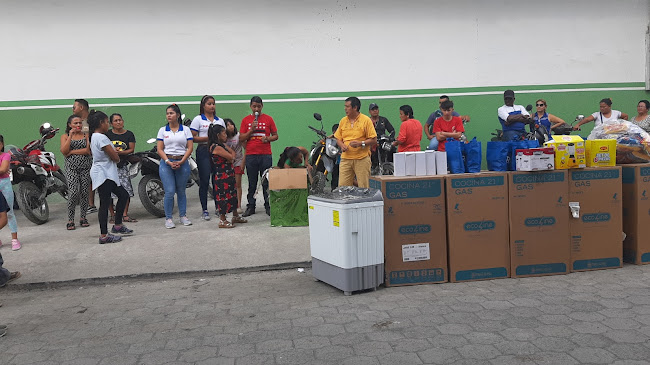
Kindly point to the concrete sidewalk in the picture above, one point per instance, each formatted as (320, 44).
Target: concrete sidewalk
(51, 254)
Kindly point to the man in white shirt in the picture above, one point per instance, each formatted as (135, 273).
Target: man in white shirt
(513, 118)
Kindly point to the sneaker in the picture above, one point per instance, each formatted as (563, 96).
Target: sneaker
(92, 209)
(15, 245)
(185, 221)
(122, 230)
(248, 212)
(206, 215)
(169, 224)
(268, 211)
(109, 239)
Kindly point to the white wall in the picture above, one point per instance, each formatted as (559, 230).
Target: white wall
(120, 48)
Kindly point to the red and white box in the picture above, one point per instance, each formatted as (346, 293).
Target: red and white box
(535, 159)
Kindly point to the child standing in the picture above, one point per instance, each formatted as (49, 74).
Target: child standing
(238, 164)
(224, 189)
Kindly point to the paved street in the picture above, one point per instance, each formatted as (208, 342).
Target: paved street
(285, 317)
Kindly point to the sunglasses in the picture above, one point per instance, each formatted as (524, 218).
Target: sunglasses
(541, 105)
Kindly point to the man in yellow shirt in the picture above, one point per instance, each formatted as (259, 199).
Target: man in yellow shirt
(355, 136)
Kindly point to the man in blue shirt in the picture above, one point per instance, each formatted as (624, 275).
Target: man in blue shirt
(513, 118)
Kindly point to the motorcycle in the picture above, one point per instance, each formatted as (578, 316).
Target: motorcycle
(383, 162)
(150, 187)
(37, 175)
(322, 157)
(567, 129)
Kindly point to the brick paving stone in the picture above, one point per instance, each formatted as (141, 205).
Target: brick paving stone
(592, 355)
(402, 358)
(373, 348)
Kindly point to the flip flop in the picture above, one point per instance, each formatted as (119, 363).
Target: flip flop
(126, 218)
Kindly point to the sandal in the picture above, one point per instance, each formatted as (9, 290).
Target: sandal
(128, 219)
(12, 276)
(84, 222)
(239, 219)
(225, 224)
(70, 226)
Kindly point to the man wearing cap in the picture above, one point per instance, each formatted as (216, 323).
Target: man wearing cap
(381, 126)
(355, 136)
(513, 118)
(428, 126)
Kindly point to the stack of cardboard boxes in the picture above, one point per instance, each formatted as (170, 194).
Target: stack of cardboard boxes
(636, 213)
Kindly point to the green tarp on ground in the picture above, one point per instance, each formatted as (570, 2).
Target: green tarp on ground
(289, 207)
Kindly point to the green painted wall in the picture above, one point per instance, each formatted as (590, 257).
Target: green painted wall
(292, 116)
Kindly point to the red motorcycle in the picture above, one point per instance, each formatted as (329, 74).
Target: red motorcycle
(37, 175)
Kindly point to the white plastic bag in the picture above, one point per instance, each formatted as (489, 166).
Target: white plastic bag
(632, 142)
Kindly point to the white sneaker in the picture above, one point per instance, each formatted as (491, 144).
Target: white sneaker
(206, 215)
(185, 221)
(169, 224)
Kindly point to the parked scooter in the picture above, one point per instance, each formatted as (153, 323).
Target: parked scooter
(150, 188)
(383, 162)
(37, 175)
(322, 157)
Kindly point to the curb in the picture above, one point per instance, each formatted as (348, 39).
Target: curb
(154, 276)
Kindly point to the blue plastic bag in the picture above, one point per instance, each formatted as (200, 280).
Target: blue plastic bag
(496, 155)
(472, 152)
(512, 151)
(455, 161)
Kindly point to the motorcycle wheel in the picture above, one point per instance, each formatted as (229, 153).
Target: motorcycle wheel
(152, 195)
(318, 183)
(388, 168)
(34, 209)
(63, 190)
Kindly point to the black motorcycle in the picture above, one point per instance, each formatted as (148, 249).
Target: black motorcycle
(382, 161)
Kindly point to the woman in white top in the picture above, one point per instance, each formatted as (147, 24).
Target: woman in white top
(199, 127)
(175, 144)
(105, 180)
(642, 119)
(606, 114)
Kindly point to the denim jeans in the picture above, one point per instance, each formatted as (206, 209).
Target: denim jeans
(433, 144)
(512, 135)
(174, 183)
(255, 167)
(204, 163)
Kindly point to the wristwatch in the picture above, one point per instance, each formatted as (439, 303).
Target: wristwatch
(363, 144)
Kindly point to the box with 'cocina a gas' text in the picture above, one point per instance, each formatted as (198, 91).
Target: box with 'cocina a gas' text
(415, 230)
(539, 228)
(597, 232)
(636, 213)
(477, 226)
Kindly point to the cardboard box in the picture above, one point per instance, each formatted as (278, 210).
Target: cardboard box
(597, 234)
(420, 163)
(409, 158)
(399, 164)
(600, 152)
(282, 179)
(636, 213)
(569, 151)
(477, 226)
(415, 230)
(539, 228)
(535, 159)
(441, 163)
(431, 162)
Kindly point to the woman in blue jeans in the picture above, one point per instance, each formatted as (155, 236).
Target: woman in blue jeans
(175, 144)
(199, 127)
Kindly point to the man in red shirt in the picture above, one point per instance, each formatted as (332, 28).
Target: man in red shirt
(257, 130)
(447, 126)
(410, 132)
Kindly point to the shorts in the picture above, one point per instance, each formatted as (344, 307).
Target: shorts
(125, 180)
(239, 170)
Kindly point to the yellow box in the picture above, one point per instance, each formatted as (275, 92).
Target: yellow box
(569, 152)
(601, 152)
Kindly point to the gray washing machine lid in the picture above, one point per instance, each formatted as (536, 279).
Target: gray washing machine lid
(349, 195)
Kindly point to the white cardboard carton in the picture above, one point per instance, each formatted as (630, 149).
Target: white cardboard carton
(431, 162)
(410, 163)
(420, 163)
(399, 163)
(441, 163)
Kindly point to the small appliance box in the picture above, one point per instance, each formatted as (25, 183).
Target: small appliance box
(420, 163)
(569, 151)
(399, 164)
(600, 152)
(539, 228)
(597, 232)
(415, 229)
(477, 226)
(535, 159)
(636, 213)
